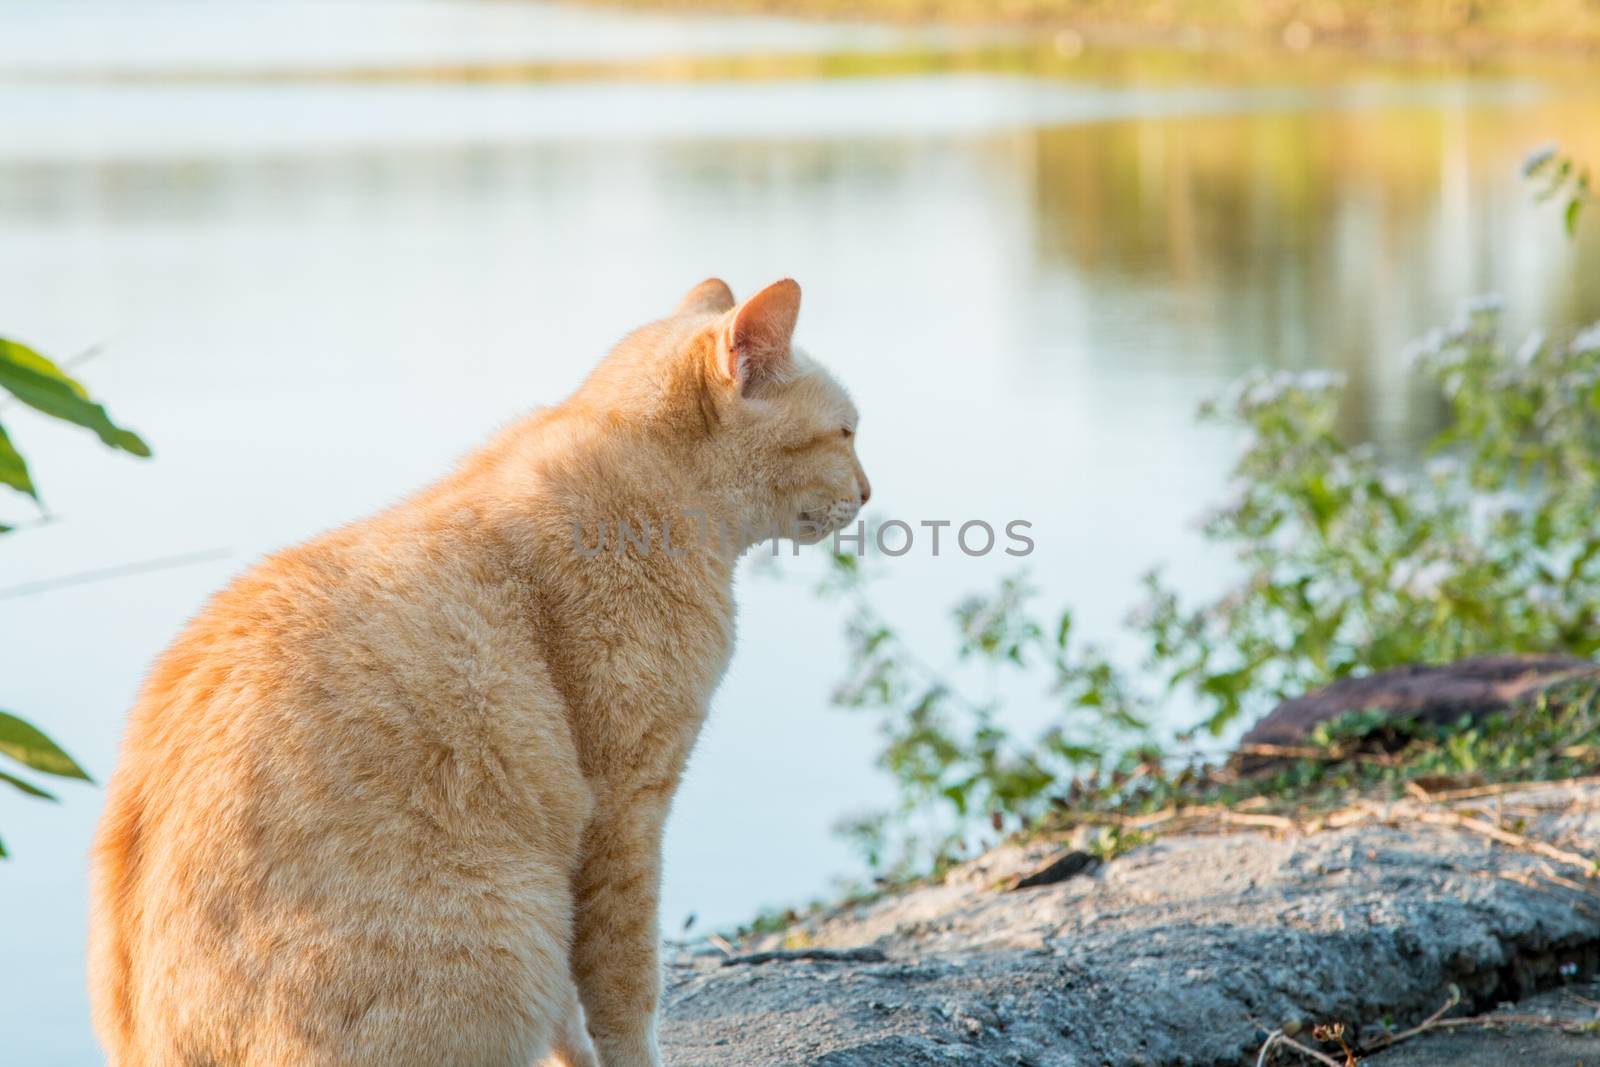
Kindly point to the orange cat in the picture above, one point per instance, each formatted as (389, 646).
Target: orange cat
(396, 796)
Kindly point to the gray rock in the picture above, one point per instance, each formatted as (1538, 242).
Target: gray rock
(1184, 952)
(1513, 1042)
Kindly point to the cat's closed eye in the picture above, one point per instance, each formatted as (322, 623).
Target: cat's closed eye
(845, 431)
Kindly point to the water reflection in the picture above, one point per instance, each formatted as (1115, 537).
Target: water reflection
(1306, 240)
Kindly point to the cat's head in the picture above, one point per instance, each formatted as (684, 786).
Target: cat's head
(777, 429)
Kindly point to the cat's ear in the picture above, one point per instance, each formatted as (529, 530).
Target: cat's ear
(754, 345)
(711, 295)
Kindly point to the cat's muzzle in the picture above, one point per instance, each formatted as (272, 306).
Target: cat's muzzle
(819, 523)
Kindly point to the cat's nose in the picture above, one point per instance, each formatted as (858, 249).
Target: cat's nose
(866, 489)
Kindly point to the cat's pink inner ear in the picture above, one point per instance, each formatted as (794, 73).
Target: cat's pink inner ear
(756, 342)
(711, 295)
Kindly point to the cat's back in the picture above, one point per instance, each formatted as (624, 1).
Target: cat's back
(372, 628)
(353, 731)
(401, 630)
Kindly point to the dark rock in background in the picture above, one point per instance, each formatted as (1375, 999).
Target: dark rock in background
(1440, 695)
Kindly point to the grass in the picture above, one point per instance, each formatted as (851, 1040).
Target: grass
(1552, 735)
(1361, 767)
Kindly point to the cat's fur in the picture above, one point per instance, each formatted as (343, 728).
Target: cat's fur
(396, 796)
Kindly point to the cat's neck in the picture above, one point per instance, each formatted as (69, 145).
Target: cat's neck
(606, 503)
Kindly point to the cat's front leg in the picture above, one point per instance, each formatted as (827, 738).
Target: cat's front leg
(614, 955)
(572, 1046)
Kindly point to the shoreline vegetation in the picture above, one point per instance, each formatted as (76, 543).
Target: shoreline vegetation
(1359, 767)
(1409, 28)
(1173, 42)
(1344, 564)
(1061, 53)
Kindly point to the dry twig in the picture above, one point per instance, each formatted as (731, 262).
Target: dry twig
(1506, 837)
(1498, 788)
(1272, 822)
(1420, 1028)
(1278, 1037)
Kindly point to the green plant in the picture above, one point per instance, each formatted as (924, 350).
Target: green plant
(1563, 177)
(1345, 564)
(44, 386)
(1112, 841)
(1550, 735)
(1352, 564)
(24, 744)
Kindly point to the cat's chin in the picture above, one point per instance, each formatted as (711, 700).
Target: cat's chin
(813, 528)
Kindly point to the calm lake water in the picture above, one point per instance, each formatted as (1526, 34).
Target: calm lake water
(322, 250)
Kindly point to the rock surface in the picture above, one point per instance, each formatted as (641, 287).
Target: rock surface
(1183, 952)
(1535, 1046)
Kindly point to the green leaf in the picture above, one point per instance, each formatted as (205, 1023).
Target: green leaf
(1574, 208)
(3, 852)
(42, 385)
(24, 743)
(26, 786)
(14, 469)
(1078, 753)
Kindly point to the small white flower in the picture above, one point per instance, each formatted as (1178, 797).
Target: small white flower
(1473, 314)
(1587, 340)
(1542, 595)
(1442, 468)
(1424, 347)
(1420, 581)
(1531, 347)
(1487, 507)
(1317, 381)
